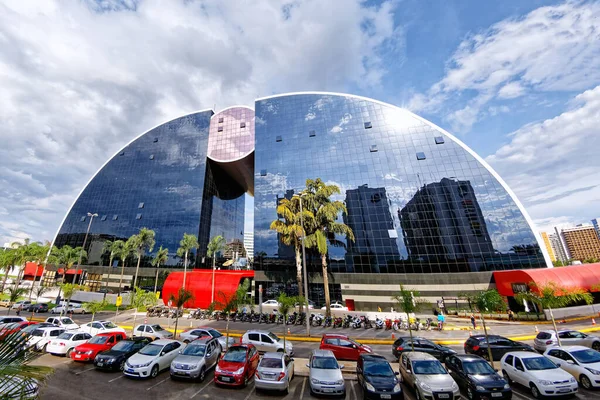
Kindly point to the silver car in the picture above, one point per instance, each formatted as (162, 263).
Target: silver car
(545, 339)
(195, 333)
(275, 372)
(153, 331)
(197, 358)
(427, 376)
(325, 375)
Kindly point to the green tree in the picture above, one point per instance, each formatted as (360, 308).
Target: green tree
(408, 301)
(286, 304)
(488, 301)
(325, 213)
(140, 298)
(188, 243)
(68, 290)
(6, 264)
(232, 303)
(179, 300)
(93, 307)
(14, 294)
(42, 253)
(122, 251)
(551, 295)
(161, 257)
(141, 242)
(215, 246)
(112, 249)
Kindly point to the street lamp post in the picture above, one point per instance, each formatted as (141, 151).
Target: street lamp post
(305, 267)
(86, 236)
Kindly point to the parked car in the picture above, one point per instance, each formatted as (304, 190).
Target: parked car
(275, 372)
(153, 358)
(403, 344)
(96, 327)
(426, 375)
(325, 375)
(500, 345)
(343, 347)
(273, 303)
(72, 309)
(23, 305)
(101, 342)
(545, 339)
(311, 304)
(267, 341)
(38, 308)
(64, 344)
(476, 376)
(336, 306)
(538, 373)
(40, 337)
(195, 333)
(11, 319)
(237, 366)
(198, 357)
(9, 329)
(63, 322)
(377, 378)
(153, 331)
(4, 303)
(114, 359)
(580, 361)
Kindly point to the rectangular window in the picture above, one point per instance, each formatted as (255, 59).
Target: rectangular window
(368, 125)
(138, 216)
(439, 140)
(122, 153)
(155, 140)
(152, 156)
(263, 172)
(312, 134)
(421, 156)
(103, 218)
(278, 139)
(242, 124)
(82, 219)
(220, 129)
(115, 217)
(373, 148)
(221, 120)
(141, 205)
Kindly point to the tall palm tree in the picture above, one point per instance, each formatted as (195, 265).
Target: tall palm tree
(22, 254)
(141, 242)
(112, 250)
(179, 300)
(189, 242)
(216, 245)
(39, 253)
(68, 256)
(290, 231)
(14, 293)
(325, 211)
(6, 264)
(122, 251)
(161, 257)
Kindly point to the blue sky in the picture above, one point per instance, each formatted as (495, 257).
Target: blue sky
(518, 81)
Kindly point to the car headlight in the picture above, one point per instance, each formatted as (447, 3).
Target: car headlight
(593, 371)
(315, 381)
(341, 382)
(89, 352)
(370, 387)
(573, 380)
(454, 386)
(397, 388)
(239, 371)
(477, 388)
(507, 386)
(425, 386)
(544, 382)
(218, 369)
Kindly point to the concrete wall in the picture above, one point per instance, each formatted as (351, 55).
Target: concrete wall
(559, 313)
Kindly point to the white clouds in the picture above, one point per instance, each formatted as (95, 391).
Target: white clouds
(77, 84)
(554, 48)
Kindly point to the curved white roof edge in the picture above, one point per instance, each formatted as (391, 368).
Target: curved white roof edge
(457, 141)
(229, 108)
(109, 160)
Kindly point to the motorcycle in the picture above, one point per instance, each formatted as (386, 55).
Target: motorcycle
(338, 322)
(379, 323)
(327, 322)
(317, 320)
(367, 323)
(388, 324)
(347, 321)
(356, 322)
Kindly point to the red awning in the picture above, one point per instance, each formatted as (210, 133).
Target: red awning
(33, 269)
(574, 276)
(71, 271)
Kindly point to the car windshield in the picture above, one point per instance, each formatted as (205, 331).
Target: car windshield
(151, 350)
(65, 336)
(270, 363)
(428, 367)
(124, 345)
(538, 364)
(274, 337)
(586, 356)
(98, 340)
(378, 369)
(235, 354)
(194, 350)
(109, 325)
(215, 334)
(30, 328)
(478, 368)
(67, 321)
(324, 363)
(157, 328)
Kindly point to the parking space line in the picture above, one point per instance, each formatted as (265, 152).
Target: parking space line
(85, 370)
(250, 394)
(112, 380)
(303, 385)
(156, 384)
(352, 390)
(203, 387)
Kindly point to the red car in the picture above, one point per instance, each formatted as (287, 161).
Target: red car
(343, 347)
(14, 327)
(237, 366)
(100, 342)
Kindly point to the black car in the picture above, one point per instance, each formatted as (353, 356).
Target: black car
(403, 344)
(114, 359)
(475, 375)
(377, 378)
(38, 308)
(500, 345)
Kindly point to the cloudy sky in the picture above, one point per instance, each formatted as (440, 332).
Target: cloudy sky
(518, 81)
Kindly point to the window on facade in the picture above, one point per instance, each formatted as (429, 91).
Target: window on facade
(138, 216)
(82, 219)
(122, 153)
(439, 140)
(368, 125)
(152, 157)
(312, 133)
(155, 140)
(115, 217)
(278, 139)
(220, 120)
(141, 205)
(263, 172)
(373, 148)
(421, 156)
(220, 129)
(242, 124)
(103, 218)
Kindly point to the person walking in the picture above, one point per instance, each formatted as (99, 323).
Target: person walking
(473, 322)
(511, 315)
(441, 320)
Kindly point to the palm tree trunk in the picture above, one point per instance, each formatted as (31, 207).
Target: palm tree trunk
(326, 285)
(491, 357)
(299, 276)
(122, 272)
(212, 296)
(227, 333)
(412, 344)
(176, 323)
(185, 269)
(284, 330)
(137, 268)
(554, 323)
(156, 279)
(5, 278)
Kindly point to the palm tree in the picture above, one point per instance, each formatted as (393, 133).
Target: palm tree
(409, 302)
(161, 257)
(230, 304)
(122, 251)
(290, 231)
(141, 242)
(286, 304)
(22, 254)
(179, 300)
(39, 253)
(68, 256)
(14, 293)
(189, 242)
(140, 298)
(325, 212)
(94, 307)
(216, 245)
(6, 264)
(112, 250)
(69, 290)
(488, 300)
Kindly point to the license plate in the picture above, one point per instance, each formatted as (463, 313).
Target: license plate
(100, 364)
(496, 394)
(564, 390)
(386, 396)
(129, 370)
(326, 390)
(226, 379)
(444, 396)
(77, 355)
(180, 373)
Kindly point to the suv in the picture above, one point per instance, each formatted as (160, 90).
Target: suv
(403, 344)
(266, 341)
(38, 308)
(377, 378)
(343, 347)
(427, 377)
(500, 346)
(545, 339)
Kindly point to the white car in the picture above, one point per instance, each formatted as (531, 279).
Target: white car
(23, 305)
(153, 331)
(195, 333)
(63, 322)
(273, 303)
(40, 337)
(153, 358)
(64, 344)
(580, 361)
(538, 373)
(336, 306)
(97, 327)
(72, 309)
(267, 341)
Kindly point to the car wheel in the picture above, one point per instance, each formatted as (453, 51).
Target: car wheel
(122, 365)
(535, 392)
(154, 371)
(596, 346)
(68, 354)
(202, 374)
(506, 377)
(186, 341)
(585, 382)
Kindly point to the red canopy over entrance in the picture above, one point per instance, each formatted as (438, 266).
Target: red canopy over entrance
(574, 276)
(31, 270)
